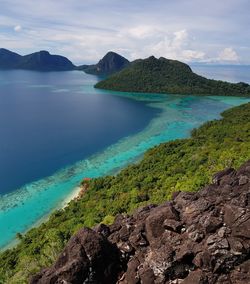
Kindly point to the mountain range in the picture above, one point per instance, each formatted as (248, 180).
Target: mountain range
(40, 61)
(150, 75)
(44, 61)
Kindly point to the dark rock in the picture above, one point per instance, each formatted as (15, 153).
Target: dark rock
(198, 238)
(87, 257)
(102, 229)
(218, 176)
(243, 180)
(194, 277)
(241, 273)
(154, 222)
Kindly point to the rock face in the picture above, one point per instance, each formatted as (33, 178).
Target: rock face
(109, 64)
(197, 238)
(40, 61)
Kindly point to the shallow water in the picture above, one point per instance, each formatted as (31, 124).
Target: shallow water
(173, 117)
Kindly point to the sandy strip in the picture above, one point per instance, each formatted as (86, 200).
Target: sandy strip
(74, 194)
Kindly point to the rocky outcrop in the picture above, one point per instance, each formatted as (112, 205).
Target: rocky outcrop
(201, 237)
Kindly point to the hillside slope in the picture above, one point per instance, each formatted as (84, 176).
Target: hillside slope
(196, 238)
(185, 165)
(163, 75)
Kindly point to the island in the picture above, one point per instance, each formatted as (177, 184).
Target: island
(37, 61)
(163, 75)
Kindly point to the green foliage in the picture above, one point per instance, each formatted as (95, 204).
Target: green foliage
(186, 164)
(108, 220)
(168, 76)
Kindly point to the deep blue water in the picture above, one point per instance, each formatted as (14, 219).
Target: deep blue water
(56, 129)
(51, 120)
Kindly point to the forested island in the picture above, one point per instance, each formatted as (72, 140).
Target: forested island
(163, 75)
(186, 165)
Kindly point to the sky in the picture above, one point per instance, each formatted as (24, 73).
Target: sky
(85, 30)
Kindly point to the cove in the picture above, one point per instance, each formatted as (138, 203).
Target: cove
(171, 117)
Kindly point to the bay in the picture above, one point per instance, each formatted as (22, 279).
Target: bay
(56, 129)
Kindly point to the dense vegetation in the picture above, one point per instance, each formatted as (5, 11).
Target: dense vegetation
(162, 75)
(186, 164)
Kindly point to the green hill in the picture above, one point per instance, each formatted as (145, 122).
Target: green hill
(162, 75)
(186, 165)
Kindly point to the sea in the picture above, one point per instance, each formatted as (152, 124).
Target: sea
(56, 129)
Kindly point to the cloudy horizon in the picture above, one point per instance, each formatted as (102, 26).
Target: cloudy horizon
(83, 31)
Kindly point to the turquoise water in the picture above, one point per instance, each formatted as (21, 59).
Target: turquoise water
(175, 117)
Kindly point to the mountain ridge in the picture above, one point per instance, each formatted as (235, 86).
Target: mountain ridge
(38, 61)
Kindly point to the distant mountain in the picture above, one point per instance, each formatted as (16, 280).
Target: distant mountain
(9, 59)
(109, 64)
(163, 75)
(41, 61)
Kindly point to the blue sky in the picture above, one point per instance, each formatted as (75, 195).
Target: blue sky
(84, 30)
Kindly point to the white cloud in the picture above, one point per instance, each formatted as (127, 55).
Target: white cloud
(17, 28)
(85, 30)
(141, 32)
(228, 54)
(177, 46)
(193, 55)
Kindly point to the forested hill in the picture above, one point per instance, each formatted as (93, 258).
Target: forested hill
(163, 75)
(186, 165)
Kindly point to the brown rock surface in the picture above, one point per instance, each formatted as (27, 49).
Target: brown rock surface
(197, 238)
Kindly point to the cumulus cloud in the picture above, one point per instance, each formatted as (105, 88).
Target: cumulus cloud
(228, 54)
(85, 30)
(176, 46)
(141, 32)
(17, 28)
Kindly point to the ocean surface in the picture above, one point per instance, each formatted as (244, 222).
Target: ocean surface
(56, 129)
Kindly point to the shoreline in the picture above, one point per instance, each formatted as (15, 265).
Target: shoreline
(72, 196)
(120, 153)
